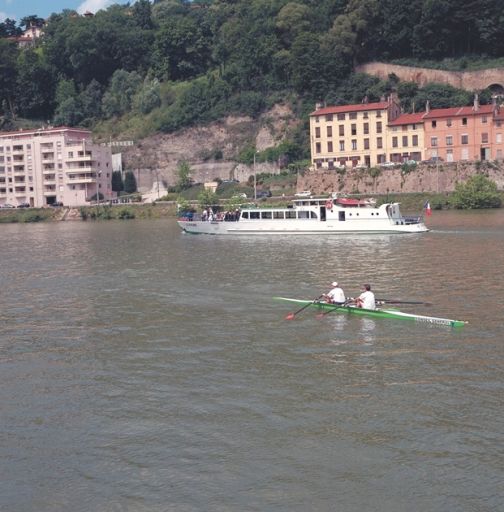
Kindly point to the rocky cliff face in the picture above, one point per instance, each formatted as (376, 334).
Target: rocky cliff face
(424, 178)
(157, 157)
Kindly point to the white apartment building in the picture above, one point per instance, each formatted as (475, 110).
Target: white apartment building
(45, 166)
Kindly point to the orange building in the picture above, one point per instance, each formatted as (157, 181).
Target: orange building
(464, 133)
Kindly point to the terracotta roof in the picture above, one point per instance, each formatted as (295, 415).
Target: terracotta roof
(408, 119)
(459, 111)
(359, 107)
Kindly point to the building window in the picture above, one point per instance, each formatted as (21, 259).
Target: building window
(449, 140)
(484, 119)
(448, 122)
(354, 144)
(354, 129)
(405, 141)
(434, 124)
(378, 113)
(329, 147)
(499, 154)
(449, 155)
(341, 130)
(341, 117)
(378, 127)
(317, 132)
(414, 140)
(484, 138)
(317, 119)
(498, 138)
(329, 131)
(342, 145)
(366, 128)
(365, 115)
(328, 117)
(464, 121)
(498, 123)
(379, 143)
(394, 142)
(366, 143)
(465, 154)
(464, 139)
(317, 147)
(352, 115)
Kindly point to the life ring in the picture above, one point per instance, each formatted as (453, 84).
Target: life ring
(329, 204)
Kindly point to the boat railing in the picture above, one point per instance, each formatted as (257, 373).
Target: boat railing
(197, 217)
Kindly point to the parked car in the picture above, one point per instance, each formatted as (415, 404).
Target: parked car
(263, 193)
(56, 204)
(433, 160)
(23, 205)
(388, 164)
(242, 195)
(7, 205)
(304, 193)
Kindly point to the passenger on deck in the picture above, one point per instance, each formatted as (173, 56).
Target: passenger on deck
(336, 295)
(366, 299)
(204, 214)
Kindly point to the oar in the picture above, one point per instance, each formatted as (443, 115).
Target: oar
(394, 301)
(336, 304)
(291, 316)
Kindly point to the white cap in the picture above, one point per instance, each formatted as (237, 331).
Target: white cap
(334, 283)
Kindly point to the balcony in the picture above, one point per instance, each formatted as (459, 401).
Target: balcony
(81, 178)
(18, 169)
(80, 169)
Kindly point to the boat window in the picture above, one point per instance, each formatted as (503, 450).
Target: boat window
(266, 215)
(278, 215)
(255, 215)
(313, 215)
(244, 215)
(290, 215)
(303, 215)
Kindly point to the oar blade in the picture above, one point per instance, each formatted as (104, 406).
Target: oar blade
(290, 316)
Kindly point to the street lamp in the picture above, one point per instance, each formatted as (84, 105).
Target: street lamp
(255, 177)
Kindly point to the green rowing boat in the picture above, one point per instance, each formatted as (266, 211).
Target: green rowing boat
(377, 313)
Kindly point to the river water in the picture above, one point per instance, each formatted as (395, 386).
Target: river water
(142, 369)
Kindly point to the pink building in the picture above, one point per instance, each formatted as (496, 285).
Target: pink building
(45, 166)
(464, 133)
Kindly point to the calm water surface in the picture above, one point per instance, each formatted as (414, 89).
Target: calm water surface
(142, 369)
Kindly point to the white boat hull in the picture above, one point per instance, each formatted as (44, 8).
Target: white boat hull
(247, 227)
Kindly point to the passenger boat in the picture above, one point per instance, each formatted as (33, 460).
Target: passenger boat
(309, 216)
(377, 313)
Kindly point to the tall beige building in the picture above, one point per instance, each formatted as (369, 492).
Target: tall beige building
(351, 135)
(45, 166)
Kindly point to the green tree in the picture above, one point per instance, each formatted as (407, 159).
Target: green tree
(207, 198)
(35, 85)
(117, 182)
(148, 97)
(477, 192)
(118, 98)
(130, 184)
(184, 175)
(8, 75)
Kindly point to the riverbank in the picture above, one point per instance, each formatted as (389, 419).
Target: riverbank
(410, 203)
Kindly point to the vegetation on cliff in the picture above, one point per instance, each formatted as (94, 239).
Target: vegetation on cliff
(174, 63)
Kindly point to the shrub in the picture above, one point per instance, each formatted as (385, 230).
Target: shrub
(125, 213)
(477, 192)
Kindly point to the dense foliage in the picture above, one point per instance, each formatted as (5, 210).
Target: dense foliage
(477, 192)
(183, 62)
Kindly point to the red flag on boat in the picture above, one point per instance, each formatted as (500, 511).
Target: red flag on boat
(427, 209)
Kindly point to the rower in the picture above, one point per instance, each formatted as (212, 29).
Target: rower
(366, 299)
(336, 295)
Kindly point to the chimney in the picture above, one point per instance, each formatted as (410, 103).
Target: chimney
(427, 106)
(413, 107)
(365, 100)
(476, 104)
(319, 105)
